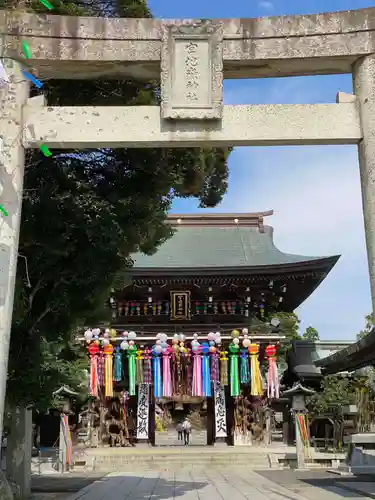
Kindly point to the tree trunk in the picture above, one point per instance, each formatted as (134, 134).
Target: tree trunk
(19, 448)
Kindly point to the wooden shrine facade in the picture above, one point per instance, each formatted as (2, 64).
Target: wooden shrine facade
(218, 271)
(193, 324)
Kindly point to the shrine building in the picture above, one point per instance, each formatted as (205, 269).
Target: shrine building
(194, 333)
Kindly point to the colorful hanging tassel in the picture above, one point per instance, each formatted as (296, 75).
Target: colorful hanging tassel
(234, 380)
(117, 367)
(156, 368)
(273, 383)
(101, 369)
(244, 369)
(167, 378)
(139, 368)
(206, 375)
(197, 374)
(303, 430)
(223, 368)
(131, 367)
(147, 369)
(256, 377)
(108, 370)
(215, 371)
(93, 352)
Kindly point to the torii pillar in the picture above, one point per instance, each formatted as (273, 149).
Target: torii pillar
(364, 87)
(12, 155)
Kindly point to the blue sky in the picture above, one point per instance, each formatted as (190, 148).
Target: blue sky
(314, 191)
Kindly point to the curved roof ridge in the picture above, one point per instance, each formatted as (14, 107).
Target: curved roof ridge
(269, 230)
(219, 219)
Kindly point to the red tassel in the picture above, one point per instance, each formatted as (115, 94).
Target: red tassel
(93, 352)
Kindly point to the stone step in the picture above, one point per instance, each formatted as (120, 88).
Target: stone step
(181, 460)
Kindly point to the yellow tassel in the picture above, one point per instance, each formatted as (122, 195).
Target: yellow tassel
(256, 377)
(108, 370)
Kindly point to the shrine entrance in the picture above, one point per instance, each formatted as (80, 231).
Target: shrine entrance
(190, 58)
(170, 415)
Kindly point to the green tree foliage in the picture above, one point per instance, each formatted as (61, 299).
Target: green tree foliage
(336, 391)
(369, 325)
(84, 213)
(311, 334)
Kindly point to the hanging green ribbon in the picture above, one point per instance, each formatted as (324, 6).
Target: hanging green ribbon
(234, 378)
(131, 362)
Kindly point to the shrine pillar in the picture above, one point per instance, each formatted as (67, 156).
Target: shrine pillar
(13, 96)
(364, 87)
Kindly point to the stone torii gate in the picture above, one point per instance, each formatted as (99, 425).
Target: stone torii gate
(191, 58)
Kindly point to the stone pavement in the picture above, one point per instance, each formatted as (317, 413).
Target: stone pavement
(229, 484)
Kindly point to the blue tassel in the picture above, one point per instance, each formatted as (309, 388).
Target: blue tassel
(156, 368)
(245, 371)
(117, 369)
(207, 392)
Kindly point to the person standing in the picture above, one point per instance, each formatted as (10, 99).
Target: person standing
(179, 430)
(186, 427)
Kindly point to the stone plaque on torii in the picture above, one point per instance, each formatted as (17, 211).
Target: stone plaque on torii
(190, 57)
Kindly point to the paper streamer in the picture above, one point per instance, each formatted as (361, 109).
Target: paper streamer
(244, 368)
(167, 379)
(256, 377)
(131, 367)
(108, 370)
(234, 379)
(207, 391)
(197, 376)
(117, 368)
(158, 389)
(67, 438)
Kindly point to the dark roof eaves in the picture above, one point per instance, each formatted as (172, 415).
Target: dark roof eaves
(333, 363)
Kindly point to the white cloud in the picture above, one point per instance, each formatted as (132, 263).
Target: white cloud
(266, 5)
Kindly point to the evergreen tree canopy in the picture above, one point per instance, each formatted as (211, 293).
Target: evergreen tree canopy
(85, 212)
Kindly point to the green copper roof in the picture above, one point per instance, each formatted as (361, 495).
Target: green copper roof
(218, 247)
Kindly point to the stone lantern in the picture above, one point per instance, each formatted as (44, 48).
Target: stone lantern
(297, 395)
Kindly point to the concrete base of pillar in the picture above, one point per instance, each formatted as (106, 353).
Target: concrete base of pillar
(19, 447)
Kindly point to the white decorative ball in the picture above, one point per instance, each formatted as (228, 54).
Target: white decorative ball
(182, 337)
(195, 336)
(132, 335)
(131, 342)
(211, 336)
(163, 337)
(88, 335)
(246, 342)
(125, 334)
(158, 335)
(124, 345)
(158, 342)
(236, 341)
(105, 342)
(245, 331)
(106, 334)
(96, 332)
